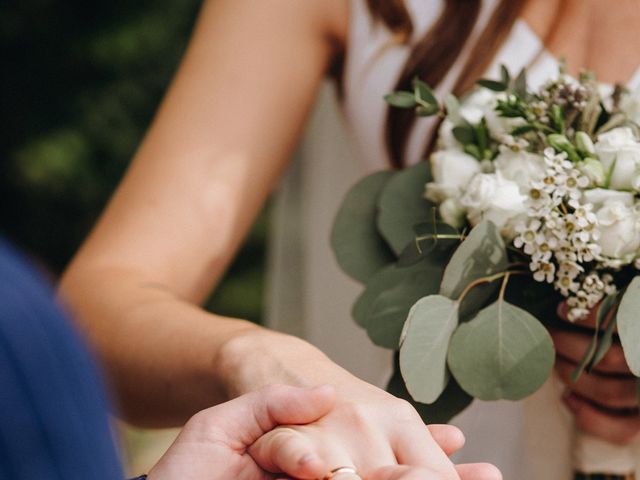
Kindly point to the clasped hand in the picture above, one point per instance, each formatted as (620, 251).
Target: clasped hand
(284, 432)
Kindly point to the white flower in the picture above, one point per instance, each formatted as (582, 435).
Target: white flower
(491, 197)
(619, 227)
(619, 153)
(452, 170)
(521, 167)
(446, 140)
(475, 105)
(543, 271)
(601, 196)
(452, 212)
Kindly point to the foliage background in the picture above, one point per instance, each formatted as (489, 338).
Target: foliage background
(80, 84)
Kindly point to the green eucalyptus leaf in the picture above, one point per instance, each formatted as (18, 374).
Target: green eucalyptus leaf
(401, 99)
(358, 248)
(423, 346)
(481, 254)
(402, 205)
(452, 401)
(629, 326)
(493, 85)
(503, 353)
(383, 307)
(474, 151)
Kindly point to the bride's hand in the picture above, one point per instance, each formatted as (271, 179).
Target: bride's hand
(373, 432)
(605, 401)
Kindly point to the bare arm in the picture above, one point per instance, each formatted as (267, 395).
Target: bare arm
(217, 146)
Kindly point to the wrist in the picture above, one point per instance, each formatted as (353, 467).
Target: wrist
(259, 357)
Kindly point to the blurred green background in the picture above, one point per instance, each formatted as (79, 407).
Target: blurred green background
(79, 85)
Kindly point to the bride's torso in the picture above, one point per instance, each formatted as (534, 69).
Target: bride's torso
(310, 297)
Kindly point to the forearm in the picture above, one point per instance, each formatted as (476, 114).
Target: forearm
(167, 359)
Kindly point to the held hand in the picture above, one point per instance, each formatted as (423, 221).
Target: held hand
(213, 444)
(604, 401)
(373, 432)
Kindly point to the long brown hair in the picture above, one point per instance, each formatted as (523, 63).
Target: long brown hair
(434, 54)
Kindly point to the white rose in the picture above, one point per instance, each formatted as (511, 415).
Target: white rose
(521, 167)
(619, 227)
(452, 170)
(599, 197)
(619, 150)
(475, 105)
(630, 104)
(491, 197)
(482, 103)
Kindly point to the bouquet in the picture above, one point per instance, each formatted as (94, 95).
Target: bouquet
(531, 198)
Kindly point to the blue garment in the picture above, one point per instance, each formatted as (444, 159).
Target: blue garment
(53, 412)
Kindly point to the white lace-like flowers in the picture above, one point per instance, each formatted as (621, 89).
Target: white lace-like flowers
(565, 198)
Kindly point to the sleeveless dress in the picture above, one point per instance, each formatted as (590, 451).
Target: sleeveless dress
(310, 297)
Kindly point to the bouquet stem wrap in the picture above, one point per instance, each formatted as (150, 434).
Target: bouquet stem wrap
(594, 458)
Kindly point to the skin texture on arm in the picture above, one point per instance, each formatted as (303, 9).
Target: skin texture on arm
(211, 157)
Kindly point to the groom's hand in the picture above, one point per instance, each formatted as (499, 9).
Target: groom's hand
(604, 402)
(213, 444)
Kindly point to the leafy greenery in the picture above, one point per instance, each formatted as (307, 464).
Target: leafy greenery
(503, 353)
(629, 327)
(402, 205)
(423, 346)
(81, 84)
(358, 248)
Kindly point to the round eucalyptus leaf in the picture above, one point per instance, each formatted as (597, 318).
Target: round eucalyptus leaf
(402, 205)
(452, 401)
(385, 303)
(503, 353)
(629, 325)
(356, 243)
(423, 346)
(481, 254)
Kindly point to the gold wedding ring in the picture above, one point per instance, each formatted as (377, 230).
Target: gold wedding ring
(337, 471)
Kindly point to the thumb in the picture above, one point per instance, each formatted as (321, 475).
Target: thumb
(249, 417)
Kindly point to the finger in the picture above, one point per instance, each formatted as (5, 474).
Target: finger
(609, 392)
(416, 447)
(284, 405)
(616, 429)
(573, 345)
(247, 418)
(478, 471)
(287, 450)
(403, 472)
(449, 438)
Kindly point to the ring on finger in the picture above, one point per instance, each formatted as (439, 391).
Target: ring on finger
(340, 470)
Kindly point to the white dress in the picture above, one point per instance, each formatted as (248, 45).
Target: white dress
(309, 296)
